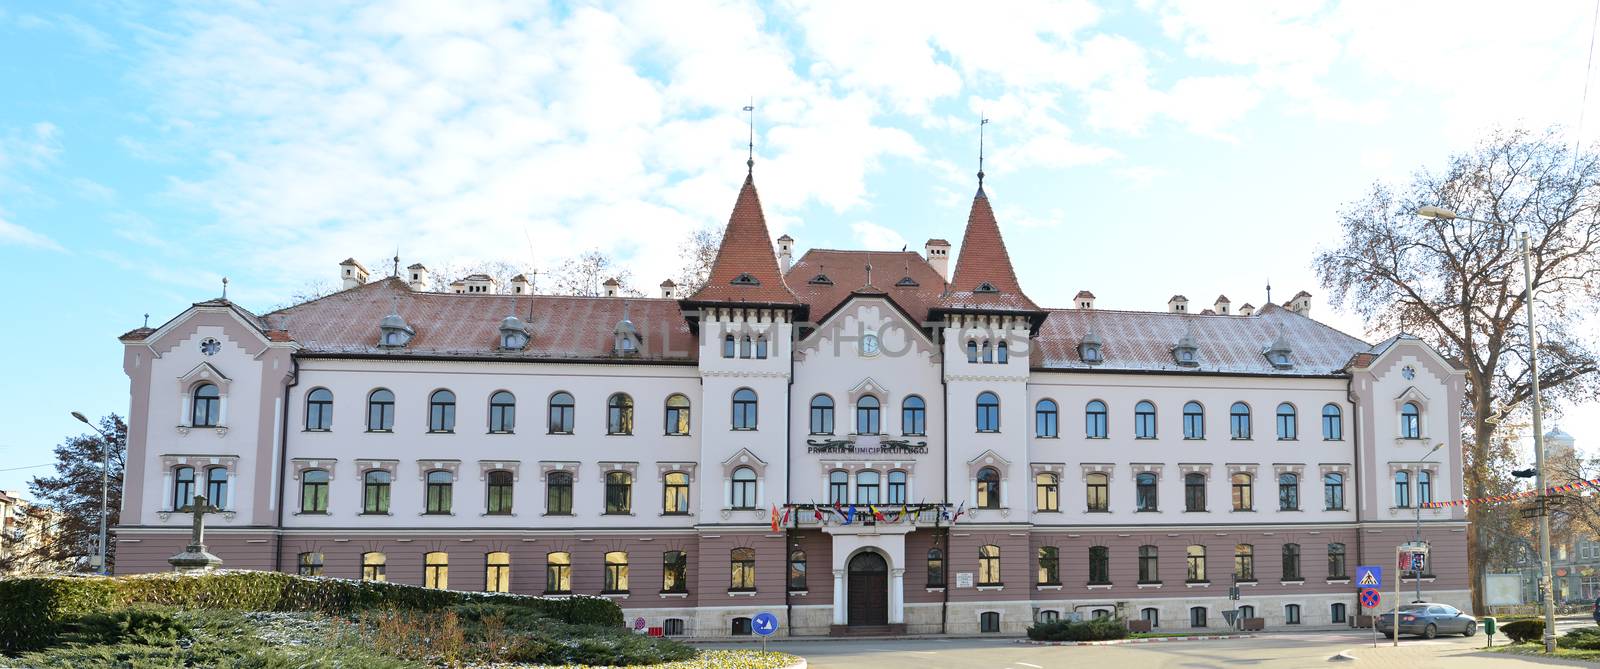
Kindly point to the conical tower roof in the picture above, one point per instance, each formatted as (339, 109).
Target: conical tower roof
(746, 268)
(984, 279)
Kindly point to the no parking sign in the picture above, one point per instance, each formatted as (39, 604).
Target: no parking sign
(1370, 598)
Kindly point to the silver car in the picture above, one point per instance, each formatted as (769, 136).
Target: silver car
(1428, 620)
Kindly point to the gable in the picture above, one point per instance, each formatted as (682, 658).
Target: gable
(860, 315)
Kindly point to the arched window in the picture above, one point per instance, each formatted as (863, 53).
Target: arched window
(744, 409)
(310, 564)
(1424, 487)
(619, 493)
(913, 416)
(319, 410)
(1336, 612)
(500, 490)
(867, 487)
(821, 415)
(442, 411)
(1049, 566)
(675, 572)
(1239, 420)
(1097, 491)
(838, 487)
(744, 346)
(1246, 612)
(742, 569)
(1149, 564)
(497, 571)
(988, 488)
(1044, 419)
(1196, 557)
(1194, 421)
(1047, 491)
(562, 409)
(744, 488)
(1244, 562)
(1048, 616)
(1197, 616)
(1243, 493)
(935, 568)
(619, 414)
(1288, 492)
(1291, 562)
(207, 406)
(677, 415)
(558, 573)
(989, 622)
(374, 566)
(1402, 489)
(1333, 491)
(1410, 421)
(989, 565)
(1144, 420)
(1336, 567)
(217, 487)
(972, 351)
(868, 415)
(988, 412)
(380, 411)
(558, 494)
(675, 493)
(1099, 565)
(727, 346)
(1144, 489)
(502, 412)
(988, 352)
(1332, 423)
(314, 491)
(1194, 492)
(616, 578)
(672, 627)
(797, 570)
(1094, 420)
(1151, 615)
(761, 347)
(1287, 427)
(183, 488)
(897, 487)
(436, 570)
(1001, 354)
(1291, 614)
(439, 488)
(375, 492)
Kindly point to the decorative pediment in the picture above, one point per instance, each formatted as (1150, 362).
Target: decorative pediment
(1201, 468)
(1107, 468)
(1340, 469)
(609, 466)
(1146, 468)
(1410, 394)
(1057, 468)
(744, 458)
(451, 466)
(206, 372)
(1281, 468)
(871, 386)
(988, 458)
(687, 467)
(1243, 468)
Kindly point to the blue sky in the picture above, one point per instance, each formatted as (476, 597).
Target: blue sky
(1135, 150)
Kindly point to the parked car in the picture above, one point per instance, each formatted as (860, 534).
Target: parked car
(1427, 620)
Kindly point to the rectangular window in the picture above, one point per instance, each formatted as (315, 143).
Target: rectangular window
(558, 573)
(1049, 566)
(674, 571)
(436, 571)
(558, 494)
(497, 572)
(1099, 565)
(742, 569)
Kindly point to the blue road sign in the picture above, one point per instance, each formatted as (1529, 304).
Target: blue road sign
(1369, 577)
(764, 624)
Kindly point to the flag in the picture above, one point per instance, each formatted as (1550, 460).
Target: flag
(774, 518)
(905, 513)
(786, 514)
(850, 516)
(876, 514)
(944, 513)
(816, 511)
(959, 510)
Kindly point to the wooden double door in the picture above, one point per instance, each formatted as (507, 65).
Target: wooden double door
(868, 589)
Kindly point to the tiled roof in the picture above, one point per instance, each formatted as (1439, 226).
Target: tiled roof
(848, 272)
(467, 324)
(746, 268)
(1084, 294)
(983, 260)
(1143, 341)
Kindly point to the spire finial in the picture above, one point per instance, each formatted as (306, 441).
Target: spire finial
(224, 288)
(147, 320)
(869, 274)
(1269, 291)
(981, 122)
(396, 261)
(750, 155)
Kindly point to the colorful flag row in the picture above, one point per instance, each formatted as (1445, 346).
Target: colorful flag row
(850, 514)
(1511, 497)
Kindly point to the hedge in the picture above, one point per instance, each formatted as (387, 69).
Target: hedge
(35, 608)
(1090, 630)
(1522, 631)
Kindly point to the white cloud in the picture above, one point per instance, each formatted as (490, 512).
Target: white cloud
(15, 235)
(874, 237)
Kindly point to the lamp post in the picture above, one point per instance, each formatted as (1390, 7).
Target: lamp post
(1418, 504)
(105, 485)
(1442, 214)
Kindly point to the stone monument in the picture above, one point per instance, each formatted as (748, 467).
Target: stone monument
(195, 557)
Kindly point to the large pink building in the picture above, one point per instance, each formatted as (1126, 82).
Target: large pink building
(1006, 461)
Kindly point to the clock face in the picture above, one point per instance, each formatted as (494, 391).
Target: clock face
(869, 344)
(210, 346)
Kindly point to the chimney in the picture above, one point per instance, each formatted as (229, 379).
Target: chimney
(520, 285)
(1084, 299)
(939, 256)
(1221, 305)
(669, 290)
(1247, 310)
(1300, 303)
(417, 277)
(1178, 304)
(352, 273)
(477, 284)
(785, 253)
(612, 287)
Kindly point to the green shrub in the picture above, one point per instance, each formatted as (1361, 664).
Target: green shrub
(1581, 638)
(37, 607)
(145, 626)
(1523, 631)
(1091, 630)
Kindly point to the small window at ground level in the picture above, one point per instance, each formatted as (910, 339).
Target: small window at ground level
(741, 627)
(672, 627)
(1049, 616)
(1152, 616)
(1336, 613)
(1197, 616)
(989, 622)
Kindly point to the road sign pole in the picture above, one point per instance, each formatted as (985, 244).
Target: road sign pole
(1397, 578)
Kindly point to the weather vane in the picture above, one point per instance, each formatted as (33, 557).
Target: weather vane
(750, 156)
(981, 122)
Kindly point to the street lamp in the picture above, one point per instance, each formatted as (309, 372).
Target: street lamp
(1440, 213)
(105, 483)
(1418, 504)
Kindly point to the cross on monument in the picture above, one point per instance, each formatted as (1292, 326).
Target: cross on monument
(195, 557)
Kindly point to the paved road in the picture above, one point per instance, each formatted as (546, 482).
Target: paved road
(1267, 650)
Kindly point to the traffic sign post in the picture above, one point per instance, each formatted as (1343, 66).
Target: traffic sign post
(1369, 577)
(765, 624)
(1369, 601)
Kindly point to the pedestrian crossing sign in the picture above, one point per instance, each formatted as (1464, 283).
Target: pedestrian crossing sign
(1369, 577)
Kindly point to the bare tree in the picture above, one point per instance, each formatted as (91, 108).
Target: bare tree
(1458, 284)
(74, 494)
(699, 252)
(585, 274)
(440, 277)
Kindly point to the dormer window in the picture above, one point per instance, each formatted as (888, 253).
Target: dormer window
(985, 287)
(745, 279)
(1279, 353)
(1186, 353)
(821, 280)
(906, 282)
(513, 335)
(394, 332)
(625, 338)
(1090, 349)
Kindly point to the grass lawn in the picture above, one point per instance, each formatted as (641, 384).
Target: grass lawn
(1537, 650)
(1168, 635)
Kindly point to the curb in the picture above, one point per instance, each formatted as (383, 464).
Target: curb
(1121, 642)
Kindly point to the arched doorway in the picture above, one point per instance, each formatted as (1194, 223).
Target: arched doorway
(869, 589)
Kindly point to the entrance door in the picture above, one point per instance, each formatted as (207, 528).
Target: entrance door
(869, 590)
